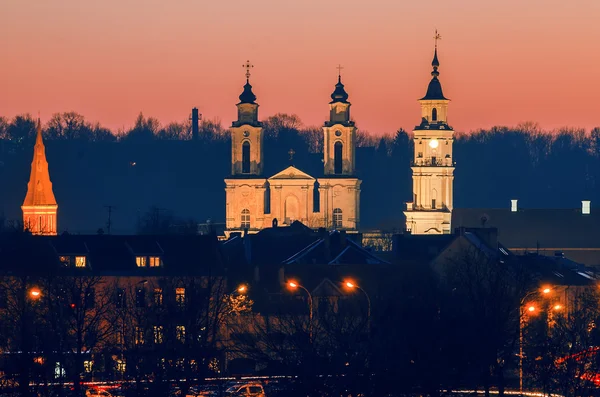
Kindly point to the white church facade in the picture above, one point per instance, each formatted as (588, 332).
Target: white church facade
(254, 202)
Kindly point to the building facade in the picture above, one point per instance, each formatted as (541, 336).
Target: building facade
(430, 211)
(254, 202)
(40, 207)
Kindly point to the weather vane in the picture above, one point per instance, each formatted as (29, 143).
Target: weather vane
(436, 38)
(291, 152)
(247, 66)
(339, 68)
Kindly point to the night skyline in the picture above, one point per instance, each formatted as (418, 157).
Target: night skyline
(164, 60)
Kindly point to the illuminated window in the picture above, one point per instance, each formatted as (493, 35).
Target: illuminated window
(337, 157)
(180, 333)
(180, 296)
(121, 365)
(337, 218)
(434, 114)
(87, 366)
(155, 261)
(245, 219)
(139, 336)
(246, 157)
(80, 261)
(158, 296)
(140, 261)
(158, 334)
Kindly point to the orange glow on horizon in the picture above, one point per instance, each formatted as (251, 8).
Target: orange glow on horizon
(128, 60)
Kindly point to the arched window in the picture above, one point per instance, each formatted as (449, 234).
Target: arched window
(337, 218)
(245, 219)
(246, 157)
(434, 114)
(337, 157)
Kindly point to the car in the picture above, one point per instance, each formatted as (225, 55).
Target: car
(246, 390)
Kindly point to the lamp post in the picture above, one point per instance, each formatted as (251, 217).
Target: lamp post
(294, 285)
(531, 309)
(351, 285)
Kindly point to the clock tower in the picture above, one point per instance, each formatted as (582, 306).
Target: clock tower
(430, 211)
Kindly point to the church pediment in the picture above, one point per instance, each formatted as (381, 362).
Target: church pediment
(291, 172)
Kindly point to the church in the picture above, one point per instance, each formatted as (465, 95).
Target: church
(255, 201)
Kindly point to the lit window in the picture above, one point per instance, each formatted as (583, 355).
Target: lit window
(158, 334)
(180, 296)
(337, 218)
(180, 333)
(139, 336)
(155, 261)
(80, 261)
(158, 296)
(245, 219)
(121, 365)
(140, 261)
(87, 366)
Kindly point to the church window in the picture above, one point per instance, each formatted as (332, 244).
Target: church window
(246, 157)
(267, 198)
(245, 219)
(80, 261)
(434, 114)
(337, 157)
(337, 218)
(316, 198)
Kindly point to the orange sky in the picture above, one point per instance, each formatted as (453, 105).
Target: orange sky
(502, 62)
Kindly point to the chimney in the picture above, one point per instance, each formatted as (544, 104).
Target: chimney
(513, 205)
(195, 118)
(585, 207)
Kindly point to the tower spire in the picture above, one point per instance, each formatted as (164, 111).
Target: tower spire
(39, 207)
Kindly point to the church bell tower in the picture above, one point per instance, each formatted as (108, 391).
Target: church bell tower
(247, 134)
(430, 211)
(339, 134)
(39, 207)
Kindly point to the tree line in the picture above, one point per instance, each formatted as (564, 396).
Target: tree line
(158, 165)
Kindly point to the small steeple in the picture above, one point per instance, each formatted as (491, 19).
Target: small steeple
(39, 207)
(434, 90)
(339, 94)
(247, 95)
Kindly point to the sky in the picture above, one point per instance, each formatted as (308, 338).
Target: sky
(501, 62)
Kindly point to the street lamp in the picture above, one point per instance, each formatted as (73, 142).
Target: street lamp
(531, 309)
(294, 285)
(351, 285)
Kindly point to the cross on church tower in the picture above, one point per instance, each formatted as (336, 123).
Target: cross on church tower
(248, 66)
(436, 37)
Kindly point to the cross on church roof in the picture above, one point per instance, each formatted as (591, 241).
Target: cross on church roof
(436, 37)
(247, 66)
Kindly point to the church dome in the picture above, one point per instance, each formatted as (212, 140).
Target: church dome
(339, 94)
(247, 95)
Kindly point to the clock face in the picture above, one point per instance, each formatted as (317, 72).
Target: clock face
(338, 133)
(246, 134)
(433, 143)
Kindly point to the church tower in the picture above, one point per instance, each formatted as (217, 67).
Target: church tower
(339, 134)
(39, 208)
(247, 134)
(430, 211)
(339, 189)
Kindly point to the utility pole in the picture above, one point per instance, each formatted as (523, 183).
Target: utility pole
(109, 222)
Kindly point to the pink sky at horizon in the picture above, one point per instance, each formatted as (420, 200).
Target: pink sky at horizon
(502, 62)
